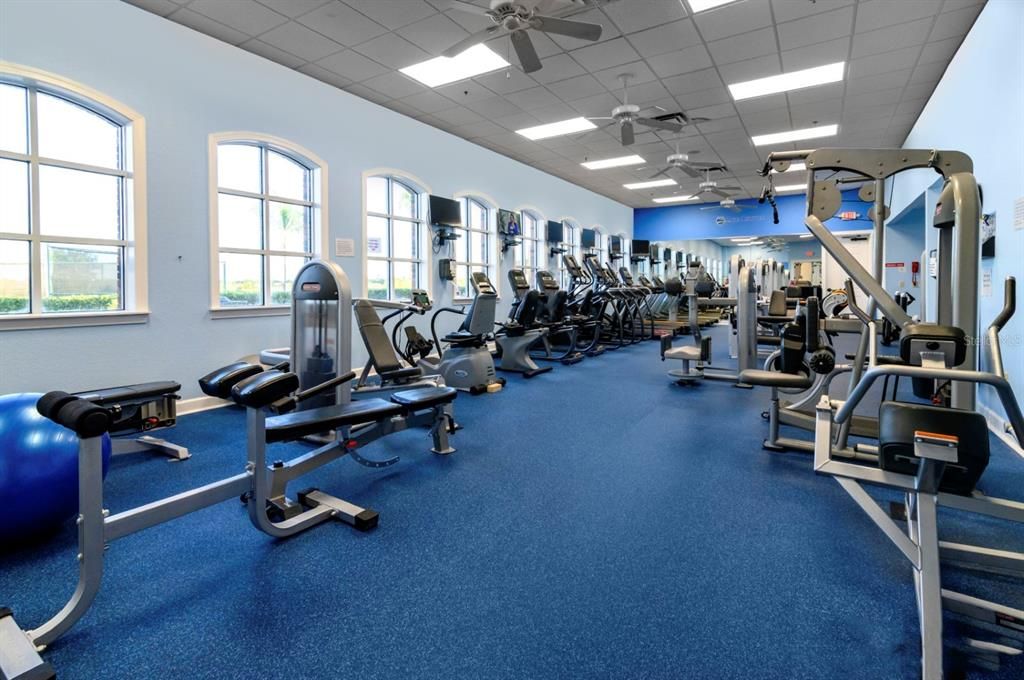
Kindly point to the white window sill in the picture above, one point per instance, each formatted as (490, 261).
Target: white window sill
(247, 312)
(28, 322)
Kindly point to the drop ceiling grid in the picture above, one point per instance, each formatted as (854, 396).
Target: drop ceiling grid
(352, 60)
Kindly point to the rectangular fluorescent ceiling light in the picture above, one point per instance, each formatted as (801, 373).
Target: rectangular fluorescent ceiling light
(675, 199)
(562, 127)
(806, 235)
(792, 187)
(793, 167)
(443, 70)
(667, 182)
(796, 135)
(613, 162)
(754, 243)
(704, 5)
(745, 239)
(786, 82)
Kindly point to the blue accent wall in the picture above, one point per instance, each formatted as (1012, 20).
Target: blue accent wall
(682, 222)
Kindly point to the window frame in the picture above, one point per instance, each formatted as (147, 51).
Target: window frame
(318, 209)
(519, 257)
(421, 191)
(491, 246)
(570, 228)
(132, 133)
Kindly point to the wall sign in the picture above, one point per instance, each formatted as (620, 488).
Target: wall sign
(345, 247)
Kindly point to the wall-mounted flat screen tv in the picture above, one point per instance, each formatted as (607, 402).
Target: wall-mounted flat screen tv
(641, 247)
(445, 211)
(508, 222)
(555, 232)
(615, 245)
(588, 238)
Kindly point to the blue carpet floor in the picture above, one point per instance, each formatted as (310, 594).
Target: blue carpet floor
(597, 521)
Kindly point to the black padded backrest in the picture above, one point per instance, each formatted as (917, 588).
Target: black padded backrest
(777, 303)
(263, 389)
(382, 354)
(556, 305)
(526, 313)
(812, 321)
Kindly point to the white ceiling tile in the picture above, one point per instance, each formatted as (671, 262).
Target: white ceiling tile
(758, 43)
(713, 112)
(816, 28)
(955, 24)
(874, 14)
(883, 63)
(394, 85)
(578, 87)
(533, 98)
(393, 14)
(366, 93)
(605, 55)
(871, 99)
(598, 105)
(638, 72)
(920, 91)
(341, 23)
(558, 67)
(927, 73)
(300, 41)
(708, 97)
(595, 16)
(720, 125)
(323, 75)
(911, 107)
(816, 113)
(464, 91)
(292, 8)
(429, 101)
(819, 54)
(159, 7)
(352, 65)
(481, 128)
(558, 111)
(506, 81)
(205, 24)
(666, 38)
(459, 115)
(750, 69)
(636, 15)
(272, 53)
(883, 81)
(686, 60)
(693, 82)
(740, 17)
(519, 121)
(942, 50)
(434, 34)
(891, 38)
(816, 94)
(788, 10)
(758, 104)
(493, 107)
(764, 122)
(958, 4)
(393, 51)
(246, 16)
(648, 94)
(405, 109)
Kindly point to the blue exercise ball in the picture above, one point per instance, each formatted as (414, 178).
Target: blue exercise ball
(38, 470)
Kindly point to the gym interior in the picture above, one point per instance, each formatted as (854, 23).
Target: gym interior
(511, 338)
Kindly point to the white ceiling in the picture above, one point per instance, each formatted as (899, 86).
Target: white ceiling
(896, 51)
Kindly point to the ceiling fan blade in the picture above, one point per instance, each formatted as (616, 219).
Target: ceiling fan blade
(697, 119)
(692, 172)
(731, 188)
(626, 130)
(663, 172)
(528, 58)
(469, 41)
(572, 29)
(660, 124)
(467, 7)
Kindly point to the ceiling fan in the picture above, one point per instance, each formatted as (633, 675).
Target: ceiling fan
(681, 161)
(626, 115)
(710, 186)
(729, 204)
(514, 18)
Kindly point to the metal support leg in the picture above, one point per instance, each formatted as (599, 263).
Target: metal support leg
(929, 583)
(443, 426)
(144, 443)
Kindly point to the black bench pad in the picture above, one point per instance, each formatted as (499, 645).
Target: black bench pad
(424, 397)
(219, 383)
(897, 422)
(142, 391)
(775, 379)
(318, 420)
(769, 340)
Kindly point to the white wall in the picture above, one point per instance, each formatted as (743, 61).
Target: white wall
(188, 86)
(978, 108)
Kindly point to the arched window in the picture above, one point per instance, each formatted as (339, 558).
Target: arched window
(474, 250)
(395, 262)
(267, 218)
(72, 208)
(571, 244)
(528, 252)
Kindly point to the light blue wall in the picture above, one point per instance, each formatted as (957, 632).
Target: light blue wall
(978, 108)
(679, 222)
(904, 241)
(188, 86)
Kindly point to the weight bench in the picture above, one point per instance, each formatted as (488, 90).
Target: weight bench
(140, 408)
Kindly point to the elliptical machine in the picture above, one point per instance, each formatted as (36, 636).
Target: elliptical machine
(521, 331)
(466, 363)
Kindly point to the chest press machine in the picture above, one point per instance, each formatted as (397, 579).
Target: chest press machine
(281, 405)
